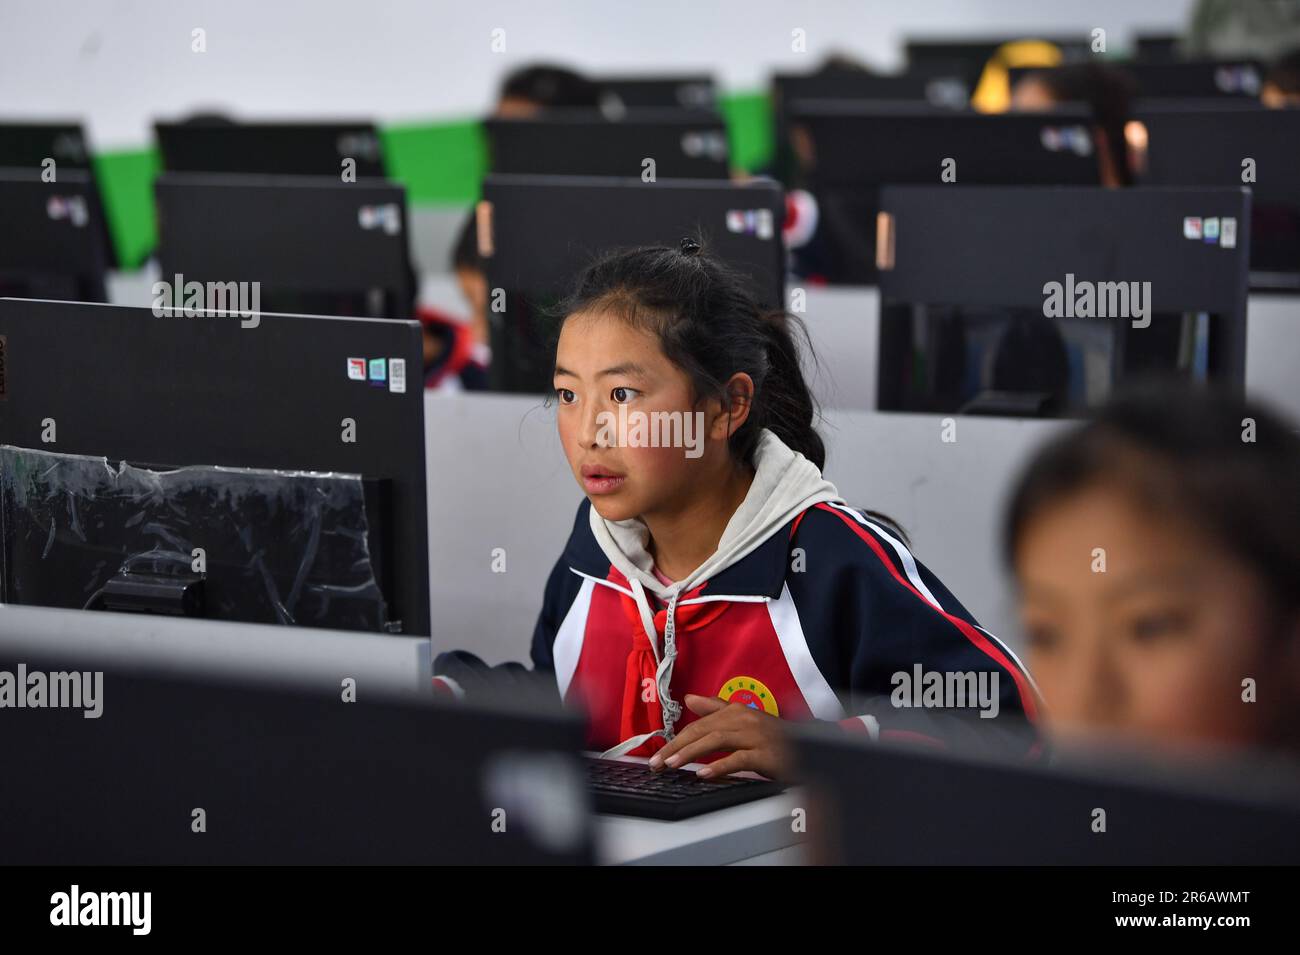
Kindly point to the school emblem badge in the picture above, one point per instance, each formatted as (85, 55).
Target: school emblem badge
(751, 692)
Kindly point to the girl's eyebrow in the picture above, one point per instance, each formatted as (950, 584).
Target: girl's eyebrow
(626, 368)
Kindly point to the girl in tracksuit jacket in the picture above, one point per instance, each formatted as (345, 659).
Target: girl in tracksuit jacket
(715, 585)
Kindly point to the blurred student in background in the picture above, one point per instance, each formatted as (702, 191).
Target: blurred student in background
(1281, 87)
(1157, 554)
(531, 90)
(456, 353)
(1107, 92)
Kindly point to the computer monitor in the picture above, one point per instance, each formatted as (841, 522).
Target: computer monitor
(183, 767)
(271, 148)
(1259, 144)
(1183, 84)
(1156, 47)
(683, 143)
(54, 243)
(26, 146)
(857, 147)
(1196, 79)
(315, 246)
(266, 469)
(910, 91)
(687, 91)
(938, 89)
(1040, 301)
(879, 803)
(967, 56)
(539, 232)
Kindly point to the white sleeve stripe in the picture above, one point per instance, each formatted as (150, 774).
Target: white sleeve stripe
(603, 582)
(909, 563)
(821, 699)
(730, 598)
(1015, 659)
(568, 639)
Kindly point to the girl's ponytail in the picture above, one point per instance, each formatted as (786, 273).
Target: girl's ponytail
(785, 404)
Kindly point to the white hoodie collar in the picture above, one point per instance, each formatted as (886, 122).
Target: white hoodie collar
(785, 484)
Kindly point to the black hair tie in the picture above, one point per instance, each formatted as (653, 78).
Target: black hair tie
(689, 246)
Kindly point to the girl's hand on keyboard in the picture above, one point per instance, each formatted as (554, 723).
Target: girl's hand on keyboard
(753, 740)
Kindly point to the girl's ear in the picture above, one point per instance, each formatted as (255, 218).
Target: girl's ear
(732, 413)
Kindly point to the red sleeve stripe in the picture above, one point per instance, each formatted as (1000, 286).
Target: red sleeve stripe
(981, 642)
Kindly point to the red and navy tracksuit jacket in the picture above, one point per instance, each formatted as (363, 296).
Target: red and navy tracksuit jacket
(813, 624)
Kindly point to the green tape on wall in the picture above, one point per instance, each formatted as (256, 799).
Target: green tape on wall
(126, 185)
(440, 164)
(749, 129)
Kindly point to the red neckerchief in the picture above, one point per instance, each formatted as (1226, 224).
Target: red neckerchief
(642, 715)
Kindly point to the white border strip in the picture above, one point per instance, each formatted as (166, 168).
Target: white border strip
(821, 699)
(567, 647)
(909, 562)
(604, 582)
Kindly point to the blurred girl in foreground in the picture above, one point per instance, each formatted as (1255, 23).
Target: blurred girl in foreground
(1157, 553)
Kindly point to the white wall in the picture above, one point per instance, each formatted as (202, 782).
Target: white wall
(120, 63)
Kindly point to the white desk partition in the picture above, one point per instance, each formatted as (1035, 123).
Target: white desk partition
(382, 664)
(501, 506)
(1273, 351)
(843, 326)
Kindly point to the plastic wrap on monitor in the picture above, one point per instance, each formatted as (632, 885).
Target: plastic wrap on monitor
(289, 547)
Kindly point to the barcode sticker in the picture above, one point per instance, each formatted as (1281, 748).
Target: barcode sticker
(1228, 232)
(397, 375)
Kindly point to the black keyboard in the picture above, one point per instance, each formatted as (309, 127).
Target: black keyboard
(632, 789)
